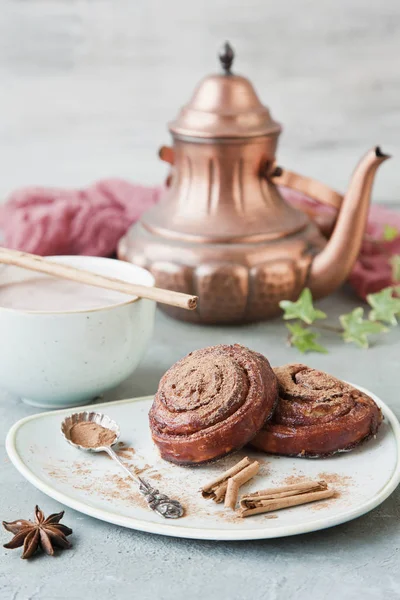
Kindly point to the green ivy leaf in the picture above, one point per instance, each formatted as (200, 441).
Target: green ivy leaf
(302, 309)
(303, 339)
(390, 233)
(395, 264)
(384, 306)
(357, 329)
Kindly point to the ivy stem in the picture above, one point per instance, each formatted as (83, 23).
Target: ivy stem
(328, 327)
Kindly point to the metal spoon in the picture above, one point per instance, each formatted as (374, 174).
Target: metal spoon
(160, 503)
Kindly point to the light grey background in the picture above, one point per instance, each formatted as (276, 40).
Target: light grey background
(87, 86)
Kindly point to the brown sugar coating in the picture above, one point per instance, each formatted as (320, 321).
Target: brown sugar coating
(317, 415)
(212, 402)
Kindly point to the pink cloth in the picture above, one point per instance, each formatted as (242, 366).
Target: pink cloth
(372, 271)
(91, 221)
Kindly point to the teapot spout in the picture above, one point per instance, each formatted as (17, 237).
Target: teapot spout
(332, 266)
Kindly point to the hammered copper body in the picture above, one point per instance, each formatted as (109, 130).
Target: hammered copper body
(223, 231)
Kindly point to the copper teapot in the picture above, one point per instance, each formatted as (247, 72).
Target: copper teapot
(223, 231)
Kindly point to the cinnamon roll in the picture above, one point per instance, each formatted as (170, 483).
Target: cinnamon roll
(211, 403)
(317, 415)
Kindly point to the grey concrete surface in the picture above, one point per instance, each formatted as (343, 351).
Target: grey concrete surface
(357, 560)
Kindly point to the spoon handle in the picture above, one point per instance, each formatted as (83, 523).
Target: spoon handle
(160, 503)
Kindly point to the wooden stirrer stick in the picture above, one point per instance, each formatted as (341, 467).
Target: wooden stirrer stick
(33, 262)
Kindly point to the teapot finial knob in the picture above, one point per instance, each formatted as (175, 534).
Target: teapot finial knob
(226, 56)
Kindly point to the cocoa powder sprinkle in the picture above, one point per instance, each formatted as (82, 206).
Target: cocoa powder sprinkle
(91, 435)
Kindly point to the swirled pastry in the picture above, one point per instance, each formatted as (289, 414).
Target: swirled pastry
(211, 403)
(317, 415)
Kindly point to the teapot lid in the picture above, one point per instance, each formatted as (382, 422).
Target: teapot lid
(224, 106)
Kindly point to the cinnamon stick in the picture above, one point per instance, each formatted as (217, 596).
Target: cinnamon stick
(220, 492)
(234, 483)
(288, 490)
(242, 472)
(232, 493)
(216, 489)
(279, 498)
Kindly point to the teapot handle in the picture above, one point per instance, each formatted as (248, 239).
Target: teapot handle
(311, 188)
(166, 153)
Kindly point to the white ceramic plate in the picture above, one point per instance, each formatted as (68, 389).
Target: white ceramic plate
(94, 485)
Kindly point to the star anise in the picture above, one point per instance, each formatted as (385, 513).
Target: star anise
(41, 533)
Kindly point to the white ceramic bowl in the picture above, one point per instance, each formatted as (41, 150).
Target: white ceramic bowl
(67, 358)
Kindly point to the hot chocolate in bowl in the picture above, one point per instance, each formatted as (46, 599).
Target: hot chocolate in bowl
(223, 231)
(64, 343)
